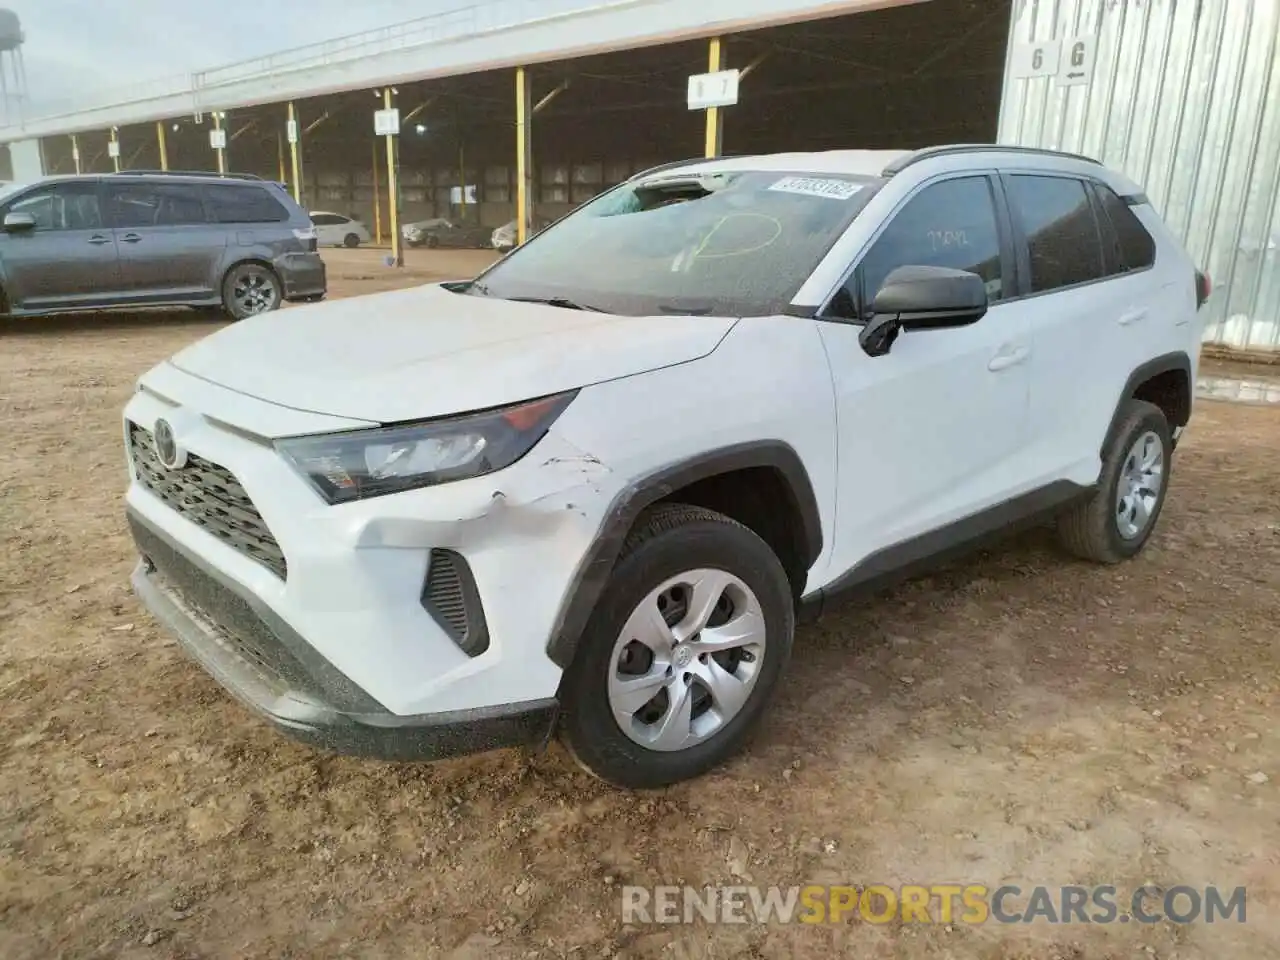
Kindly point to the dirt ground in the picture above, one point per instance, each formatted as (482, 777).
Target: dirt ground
(1017, 718)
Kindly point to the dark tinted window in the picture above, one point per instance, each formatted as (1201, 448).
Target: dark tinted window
(179, 204)
(237, 203)
(1136, 248)
(948, 224)
(1061, 230)
(154, 205)
(63, 206)
(327, 219)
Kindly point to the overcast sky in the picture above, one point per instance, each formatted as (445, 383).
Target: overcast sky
(77, 45)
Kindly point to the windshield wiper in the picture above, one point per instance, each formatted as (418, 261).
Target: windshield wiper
(563, 302)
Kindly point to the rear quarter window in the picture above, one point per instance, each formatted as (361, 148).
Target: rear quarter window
(1136, 247)
(241, 203)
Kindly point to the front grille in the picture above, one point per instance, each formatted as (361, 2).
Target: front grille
(451, 597)
(209, 496)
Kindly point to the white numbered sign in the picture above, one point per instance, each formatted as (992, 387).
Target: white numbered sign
(386, 123)
(713, 89)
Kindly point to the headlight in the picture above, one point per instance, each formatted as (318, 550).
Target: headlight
(370, 463)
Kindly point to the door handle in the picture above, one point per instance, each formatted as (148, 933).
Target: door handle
(98, 240)
(131, 238)
(1009, 358)
(1133, 316)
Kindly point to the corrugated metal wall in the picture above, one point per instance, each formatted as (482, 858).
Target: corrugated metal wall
(1185, 99)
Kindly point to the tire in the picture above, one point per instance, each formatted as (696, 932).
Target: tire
(433, 243)
(351, 241)
(250, 289)
(1106, 528)
(680, 545)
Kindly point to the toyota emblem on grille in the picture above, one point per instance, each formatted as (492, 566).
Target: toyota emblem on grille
(171, 456)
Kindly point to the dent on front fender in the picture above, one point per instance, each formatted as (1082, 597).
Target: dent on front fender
(556, 490)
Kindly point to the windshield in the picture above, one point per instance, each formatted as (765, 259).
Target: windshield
(735, 243)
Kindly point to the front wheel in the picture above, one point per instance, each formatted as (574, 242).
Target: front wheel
(682, 653)
(250, 289)
(351, 241)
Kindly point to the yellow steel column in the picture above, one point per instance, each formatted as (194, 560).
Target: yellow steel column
(222, 159)
(524, 155)
(115, 149)
(377, 198)
(293, 152)
(715, 118)
(75, 151)
(164, 146)
(393, 198)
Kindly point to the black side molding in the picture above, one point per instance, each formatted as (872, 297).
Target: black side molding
(593, 573)
(910, 558)
(1168, 363)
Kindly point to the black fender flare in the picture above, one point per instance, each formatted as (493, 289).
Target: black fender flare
(593, 572)
(1167, 363)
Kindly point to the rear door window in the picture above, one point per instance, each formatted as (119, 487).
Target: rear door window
(241, 203)
(1064, 243)
(132, 204)
(135, 205)
(180, 203)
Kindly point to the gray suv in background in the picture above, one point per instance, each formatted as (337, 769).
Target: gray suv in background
(132, 239)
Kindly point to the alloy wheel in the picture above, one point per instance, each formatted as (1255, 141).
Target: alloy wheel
(254, 292)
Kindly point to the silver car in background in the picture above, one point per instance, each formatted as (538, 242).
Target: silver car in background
(504, 238)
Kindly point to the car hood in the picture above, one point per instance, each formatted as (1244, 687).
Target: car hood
(428, 352)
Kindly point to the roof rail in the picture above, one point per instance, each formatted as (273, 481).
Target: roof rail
(186, 173)
(928, 153)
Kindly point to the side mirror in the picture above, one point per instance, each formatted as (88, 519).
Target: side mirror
(922, 298)
(18, 222)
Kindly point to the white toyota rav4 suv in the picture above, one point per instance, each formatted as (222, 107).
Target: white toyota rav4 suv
(592, 491)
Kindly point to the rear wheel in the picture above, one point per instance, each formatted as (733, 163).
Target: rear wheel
(351, 241)
(682, 652)
(1116, 522)
(249, 289)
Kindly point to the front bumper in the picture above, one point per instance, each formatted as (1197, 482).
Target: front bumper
(261, 661)
(303, 276)
(359, 617)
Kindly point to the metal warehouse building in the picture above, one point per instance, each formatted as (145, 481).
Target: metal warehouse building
(551, 101)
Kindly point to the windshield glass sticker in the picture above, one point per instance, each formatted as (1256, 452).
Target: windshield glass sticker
(817, 187)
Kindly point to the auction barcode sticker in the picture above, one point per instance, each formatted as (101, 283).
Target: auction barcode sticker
(818, 187)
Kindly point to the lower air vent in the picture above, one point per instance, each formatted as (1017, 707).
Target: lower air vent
(451, 597)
